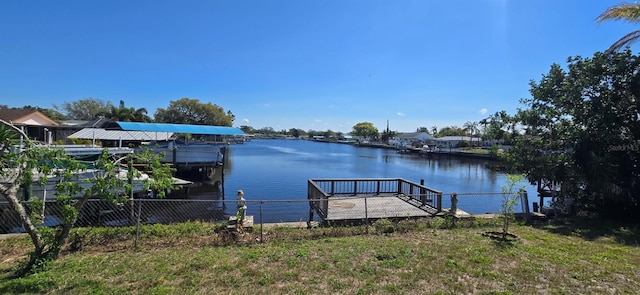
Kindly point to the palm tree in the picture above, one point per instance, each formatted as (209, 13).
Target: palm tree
(622, 11)
(471, 128)
(130, 114)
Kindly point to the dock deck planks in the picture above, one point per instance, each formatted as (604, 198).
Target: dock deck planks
(387, 206)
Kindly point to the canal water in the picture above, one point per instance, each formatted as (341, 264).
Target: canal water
(273, 174)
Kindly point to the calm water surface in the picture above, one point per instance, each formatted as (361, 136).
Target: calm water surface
(272, 169)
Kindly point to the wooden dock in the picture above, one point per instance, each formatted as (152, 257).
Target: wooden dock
(360, 200)
(375, 207)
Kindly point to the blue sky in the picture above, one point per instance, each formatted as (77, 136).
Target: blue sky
(297, 64)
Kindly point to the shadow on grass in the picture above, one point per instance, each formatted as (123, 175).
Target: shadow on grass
(592, 229)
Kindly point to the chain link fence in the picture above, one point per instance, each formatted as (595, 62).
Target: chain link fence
(159, 211)
(134, 212)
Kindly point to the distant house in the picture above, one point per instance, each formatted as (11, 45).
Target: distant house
(413, 139)
(458, 141)
(347, 138)
(34, 123)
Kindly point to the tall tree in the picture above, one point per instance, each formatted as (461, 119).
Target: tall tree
(582, 128)
(84, 109)
(365, 130)
(130, 114)
(247, 129)
(495, 126)
(623, 11)
(450, 131)
(192, 111)
(434, 130)
(423, 129)
(471, 128)
(295, 132)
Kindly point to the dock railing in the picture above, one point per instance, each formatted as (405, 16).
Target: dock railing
(321, 190)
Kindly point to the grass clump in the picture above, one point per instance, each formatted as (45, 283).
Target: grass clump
(572, 257)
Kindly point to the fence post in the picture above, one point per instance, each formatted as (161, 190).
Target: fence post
(261, 236)
(135, 244)
(454, 203)
(366, 214)
(454, 208)
(439, 202)
(310, 212)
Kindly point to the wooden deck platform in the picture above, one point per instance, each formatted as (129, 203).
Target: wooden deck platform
(392, 207)
(355, 200)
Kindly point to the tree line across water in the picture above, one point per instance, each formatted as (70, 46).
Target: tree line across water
(181, 111)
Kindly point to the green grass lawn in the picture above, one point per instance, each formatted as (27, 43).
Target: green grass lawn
(475, 150)
(411, 257)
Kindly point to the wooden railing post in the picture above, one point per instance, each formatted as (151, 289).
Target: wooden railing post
(355, 187)
(378, 187)
(333, 187)
(423, 193)
(439, 202)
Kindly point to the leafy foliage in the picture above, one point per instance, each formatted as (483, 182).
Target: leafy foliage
(130, 114)
(74, 184)
(622, 11)
(450, 131)
(365, 129)
(192, 111)
(84, 109)
(510, 197)
(582, 129)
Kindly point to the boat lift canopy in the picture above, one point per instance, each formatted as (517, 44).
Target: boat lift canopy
(102, 134)
(175, 128)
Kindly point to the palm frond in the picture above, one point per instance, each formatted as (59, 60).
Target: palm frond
(622, 11)
(625, 41)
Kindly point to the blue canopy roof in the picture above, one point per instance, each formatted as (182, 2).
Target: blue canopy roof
(175, 128)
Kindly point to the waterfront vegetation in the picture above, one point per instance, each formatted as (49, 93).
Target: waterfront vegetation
(475, 151)
(576, 256)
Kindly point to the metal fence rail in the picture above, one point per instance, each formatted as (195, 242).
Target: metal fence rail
(98, 213)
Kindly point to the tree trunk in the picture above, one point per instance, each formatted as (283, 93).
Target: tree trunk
(10, 191)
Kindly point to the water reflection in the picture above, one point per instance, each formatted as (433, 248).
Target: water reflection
(280, 169)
